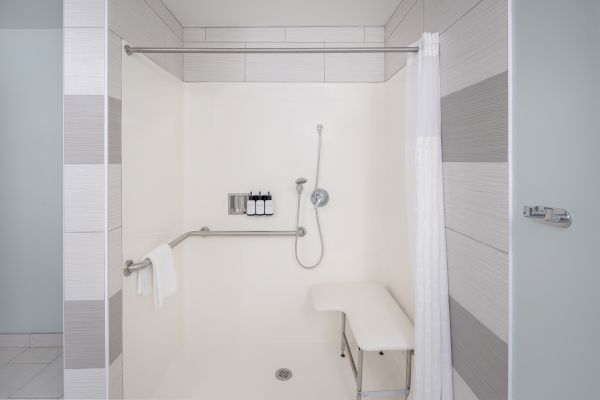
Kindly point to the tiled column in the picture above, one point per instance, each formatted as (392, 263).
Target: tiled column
(85, 206)
(115, 261)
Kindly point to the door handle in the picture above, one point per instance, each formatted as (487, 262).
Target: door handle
(548, 215)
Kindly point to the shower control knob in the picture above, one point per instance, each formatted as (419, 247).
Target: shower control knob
(319, 197)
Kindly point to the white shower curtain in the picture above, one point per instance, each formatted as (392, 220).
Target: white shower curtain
(433, 361)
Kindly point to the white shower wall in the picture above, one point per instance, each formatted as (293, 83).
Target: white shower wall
(186, 145)
(152, 214)
(241, 137)
(398, 276)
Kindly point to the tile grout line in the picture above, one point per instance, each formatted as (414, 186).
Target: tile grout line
(390, 18)
(165, 22)
(28, 381)
(476, 240)
(24, 349)
(459, 18)
(403, 18)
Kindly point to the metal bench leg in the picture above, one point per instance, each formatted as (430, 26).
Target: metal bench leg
(408, 374)
(359, 374)
(343, 334)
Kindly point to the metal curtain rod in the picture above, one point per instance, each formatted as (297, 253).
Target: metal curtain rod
(273, 50)
(131, 267)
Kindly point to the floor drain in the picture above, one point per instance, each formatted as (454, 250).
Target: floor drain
(283, 374)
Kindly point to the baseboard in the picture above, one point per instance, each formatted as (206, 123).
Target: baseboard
(31, 339)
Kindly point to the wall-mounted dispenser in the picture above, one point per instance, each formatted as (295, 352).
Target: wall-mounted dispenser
(237, 203)
(251, 205)
(269, 204)
(260, 204)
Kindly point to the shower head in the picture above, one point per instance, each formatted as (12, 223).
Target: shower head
(319, 129)
(299, 184)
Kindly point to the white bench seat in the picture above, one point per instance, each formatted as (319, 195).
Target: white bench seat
(377, 321)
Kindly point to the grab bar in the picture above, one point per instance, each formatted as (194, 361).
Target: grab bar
(131, 267)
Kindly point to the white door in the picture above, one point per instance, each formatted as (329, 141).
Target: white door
(555, 161)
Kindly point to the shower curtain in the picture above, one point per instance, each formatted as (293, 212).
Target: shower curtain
(433, 362)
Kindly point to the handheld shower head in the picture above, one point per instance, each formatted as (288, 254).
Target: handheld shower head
(299, 184)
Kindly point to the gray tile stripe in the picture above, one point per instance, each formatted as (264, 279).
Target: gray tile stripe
(115, 327)
(462, 391)
(478, 280)
(84, 334)
(475, 122)
(478, 355)
(84, 129)
(114, 130)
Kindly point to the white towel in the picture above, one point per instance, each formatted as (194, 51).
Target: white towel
(161, 274)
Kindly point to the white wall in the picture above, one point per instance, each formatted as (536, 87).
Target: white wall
(152, 205)
(241, 137)
(398, 275)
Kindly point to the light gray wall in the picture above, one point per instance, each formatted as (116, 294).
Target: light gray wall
(474, 88)
(555, 274)
(30, 166)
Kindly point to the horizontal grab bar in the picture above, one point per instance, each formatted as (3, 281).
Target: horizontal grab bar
(131, 267)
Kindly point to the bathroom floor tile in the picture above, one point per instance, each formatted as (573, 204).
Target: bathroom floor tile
(15, 376)
(14, 340)
(40, 355)
(8, 353)
(46, 340)
(48, 384)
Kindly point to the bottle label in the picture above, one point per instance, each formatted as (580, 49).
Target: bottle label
(260, 207)
(251, 207)
(269, 207)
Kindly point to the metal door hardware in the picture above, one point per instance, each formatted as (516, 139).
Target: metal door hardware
(548, 215)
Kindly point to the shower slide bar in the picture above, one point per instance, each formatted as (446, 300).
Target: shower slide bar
(131, 267)
(273, 50)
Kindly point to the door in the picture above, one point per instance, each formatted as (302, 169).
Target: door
(555, 161)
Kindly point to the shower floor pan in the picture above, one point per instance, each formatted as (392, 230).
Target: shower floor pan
(249, 373)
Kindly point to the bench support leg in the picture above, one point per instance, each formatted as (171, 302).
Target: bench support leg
(408, 374)
(357, 370)
(359, 374)
(343, 335)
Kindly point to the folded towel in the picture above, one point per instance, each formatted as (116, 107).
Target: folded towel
(161, 275)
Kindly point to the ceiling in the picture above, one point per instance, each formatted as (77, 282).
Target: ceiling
(242, 13)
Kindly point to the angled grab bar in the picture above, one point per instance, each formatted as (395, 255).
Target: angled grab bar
(131, 267)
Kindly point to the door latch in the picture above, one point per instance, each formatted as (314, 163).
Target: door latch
(548, 215)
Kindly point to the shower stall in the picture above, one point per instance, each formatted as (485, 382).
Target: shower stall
(242, 310)
(190, 107)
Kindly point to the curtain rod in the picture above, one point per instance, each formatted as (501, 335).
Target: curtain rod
(292, 50)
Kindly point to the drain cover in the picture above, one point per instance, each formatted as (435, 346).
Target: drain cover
(283, 374)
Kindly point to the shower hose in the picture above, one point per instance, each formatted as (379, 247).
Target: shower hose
(306, 266)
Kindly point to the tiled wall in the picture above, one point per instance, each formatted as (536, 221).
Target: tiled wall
(284, 67)
(145, 23)
(85, 173)
(92, 180)
(474, 87)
